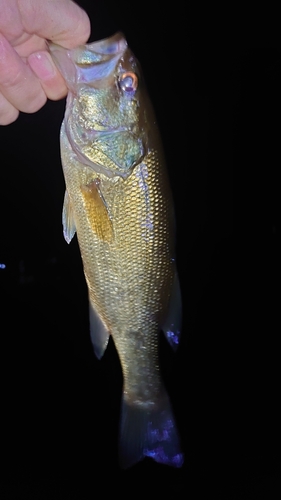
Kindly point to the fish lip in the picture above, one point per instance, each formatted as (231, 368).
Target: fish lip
(114, 44)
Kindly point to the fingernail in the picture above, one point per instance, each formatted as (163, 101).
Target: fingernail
(42, 65)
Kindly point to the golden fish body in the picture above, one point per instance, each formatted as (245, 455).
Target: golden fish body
(118, 200)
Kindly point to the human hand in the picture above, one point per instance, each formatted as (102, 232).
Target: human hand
(28, 75)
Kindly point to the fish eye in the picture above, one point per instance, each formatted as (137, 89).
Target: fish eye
(128, 82)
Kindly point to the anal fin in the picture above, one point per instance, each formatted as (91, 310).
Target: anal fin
(98, 331)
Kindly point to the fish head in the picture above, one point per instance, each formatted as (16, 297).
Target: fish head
(106, 112)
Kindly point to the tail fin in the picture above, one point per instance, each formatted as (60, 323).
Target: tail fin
(149, 431)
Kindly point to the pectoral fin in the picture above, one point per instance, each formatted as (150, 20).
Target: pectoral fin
(68, 223)
(99, 333)
(97, 211)
(172, 325)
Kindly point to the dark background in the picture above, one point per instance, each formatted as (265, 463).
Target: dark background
(60, 406)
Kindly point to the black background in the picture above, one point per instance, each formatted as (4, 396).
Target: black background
(216, 106)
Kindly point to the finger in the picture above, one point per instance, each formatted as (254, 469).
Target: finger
(8, 114)
(63, 22)
(51, 80)
(18, 84)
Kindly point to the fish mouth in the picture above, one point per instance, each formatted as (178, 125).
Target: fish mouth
(88, 63)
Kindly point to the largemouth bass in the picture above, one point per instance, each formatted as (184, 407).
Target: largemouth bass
(119, 203)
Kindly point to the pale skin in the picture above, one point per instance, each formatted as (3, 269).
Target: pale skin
(28, 76)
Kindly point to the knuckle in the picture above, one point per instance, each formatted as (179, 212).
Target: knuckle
(10, 77)
(86, 28)
(83, 28)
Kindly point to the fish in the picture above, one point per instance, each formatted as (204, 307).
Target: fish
(118, 201)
